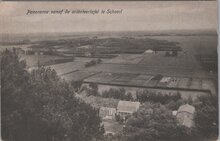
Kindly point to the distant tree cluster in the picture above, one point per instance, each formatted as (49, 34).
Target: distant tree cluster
(41, 107)
(93, 63)
(144, 96)
(119, 93)
(116, 93)
(141, 96)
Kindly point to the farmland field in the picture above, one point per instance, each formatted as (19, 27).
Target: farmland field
(68, 67)
(77, 75)
(184, 70)
(33, 60)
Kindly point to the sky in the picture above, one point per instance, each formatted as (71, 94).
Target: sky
(136, 16)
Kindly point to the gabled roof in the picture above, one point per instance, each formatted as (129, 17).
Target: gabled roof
(107, 108)
(186, 108)
(149, 51)
(128, 106)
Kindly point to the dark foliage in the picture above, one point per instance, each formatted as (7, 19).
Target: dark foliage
(206, 118)
(145, 96)
(41, 107)
(115, 93)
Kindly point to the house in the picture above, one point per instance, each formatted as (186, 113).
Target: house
(149, 51)
(127, 108)
(185, 115)
(107, 113)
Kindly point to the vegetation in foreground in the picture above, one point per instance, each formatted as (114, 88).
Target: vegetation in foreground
(41, 107)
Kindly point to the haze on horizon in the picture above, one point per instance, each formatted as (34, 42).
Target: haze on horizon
(136, 16)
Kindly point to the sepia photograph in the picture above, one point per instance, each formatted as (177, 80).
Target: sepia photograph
(109, 71)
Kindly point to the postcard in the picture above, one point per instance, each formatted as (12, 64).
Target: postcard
(109, 71)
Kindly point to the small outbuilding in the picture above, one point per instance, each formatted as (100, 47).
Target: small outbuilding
(185, 115)
(149, 51)
(107, 113)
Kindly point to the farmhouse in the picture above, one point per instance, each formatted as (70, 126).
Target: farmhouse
(185, 115)
(127, 108)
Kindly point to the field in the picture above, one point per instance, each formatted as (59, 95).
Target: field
(132, 66)
(33, 60)
(148, 81)
(68, 67)
(77, 75)
(145, 69)
(183, 71)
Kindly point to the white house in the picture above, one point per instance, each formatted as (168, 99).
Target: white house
(149, 51)
(185, 115)
(127, 108)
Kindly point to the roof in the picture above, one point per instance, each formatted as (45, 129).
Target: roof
(174, 113)
(128, 106)
(149, 51)
(186, 108)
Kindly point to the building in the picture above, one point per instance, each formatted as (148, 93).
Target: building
(107, 113)
(149, 51)
(185, 115)
(127, 108)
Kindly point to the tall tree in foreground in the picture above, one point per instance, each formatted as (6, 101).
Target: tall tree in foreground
(40, 106)
(206, 118)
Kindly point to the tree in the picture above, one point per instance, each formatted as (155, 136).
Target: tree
(154, 122)
(76, 85)
(41, 106)
(93, 89)
(206, 118)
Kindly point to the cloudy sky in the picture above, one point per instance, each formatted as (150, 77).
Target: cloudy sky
(148, 15)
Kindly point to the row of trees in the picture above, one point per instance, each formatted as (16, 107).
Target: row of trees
(141, 96)
(93, 63)
(38, 106)
(116, 93)
(144, 96)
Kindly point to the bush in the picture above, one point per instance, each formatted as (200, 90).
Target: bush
(144, 96)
